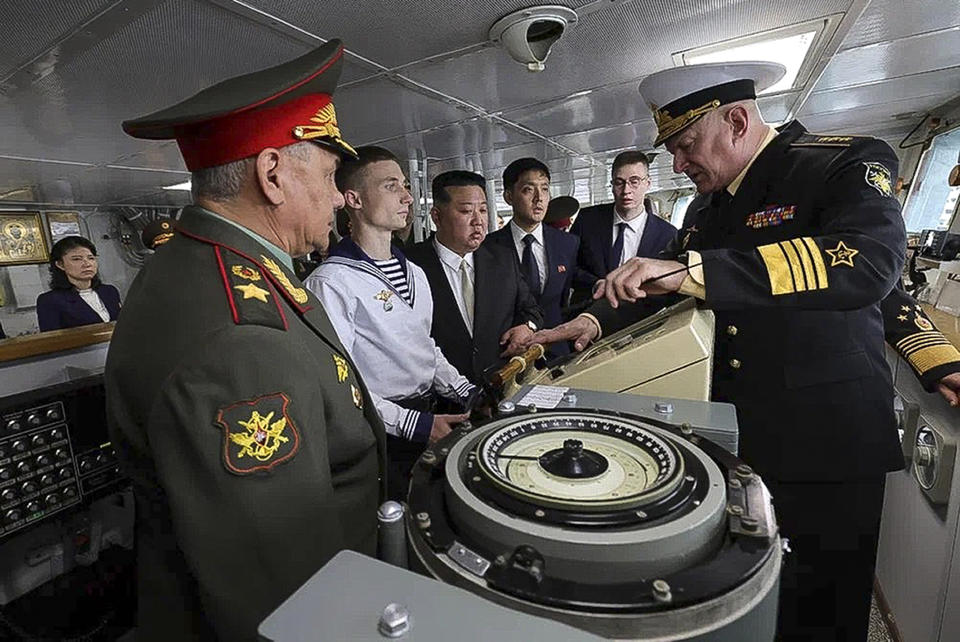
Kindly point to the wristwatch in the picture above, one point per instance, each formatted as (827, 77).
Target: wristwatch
(532, 326)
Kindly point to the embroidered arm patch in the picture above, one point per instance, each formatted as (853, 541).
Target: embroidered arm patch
(258, 434)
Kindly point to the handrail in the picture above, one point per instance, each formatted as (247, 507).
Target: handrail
(33, 345)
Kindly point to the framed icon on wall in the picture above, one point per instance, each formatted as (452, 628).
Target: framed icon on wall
(63, 224)
(22, 239)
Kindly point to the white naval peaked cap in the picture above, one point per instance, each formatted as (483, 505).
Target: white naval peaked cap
(680, 96)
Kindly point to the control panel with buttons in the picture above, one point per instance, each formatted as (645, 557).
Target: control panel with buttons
(54, 452)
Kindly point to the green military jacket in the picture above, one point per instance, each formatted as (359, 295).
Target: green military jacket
(253, 445)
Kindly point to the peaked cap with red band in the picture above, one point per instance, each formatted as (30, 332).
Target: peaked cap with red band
(244, 115)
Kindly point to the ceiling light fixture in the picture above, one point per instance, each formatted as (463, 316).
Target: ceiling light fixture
(179, 186)
(797, 47)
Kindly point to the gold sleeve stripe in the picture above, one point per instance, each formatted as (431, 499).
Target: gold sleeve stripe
(795, 268)
(922, 346)
(928, 358)
(808, 273)
(817, 262)
(778, 270)
(917, 345)
(921, 338)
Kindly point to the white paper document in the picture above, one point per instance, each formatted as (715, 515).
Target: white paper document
(544, 396)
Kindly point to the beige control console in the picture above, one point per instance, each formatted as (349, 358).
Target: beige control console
(669, 354)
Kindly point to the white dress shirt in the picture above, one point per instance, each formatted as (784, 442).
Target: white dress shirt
(539, 250)
(94, 301)
(631, 234)
(450, 261)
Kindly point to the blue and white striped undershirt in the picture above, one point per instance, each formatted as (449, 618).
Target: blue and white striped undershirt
(395, 273)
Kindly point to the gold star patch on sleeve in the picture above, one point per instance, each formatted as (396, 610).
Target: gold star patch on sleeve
(878, 177)
(258, 434)
(842, 255)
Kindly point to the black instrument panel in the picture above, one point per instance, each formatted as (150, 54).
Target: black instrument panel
(55, 452)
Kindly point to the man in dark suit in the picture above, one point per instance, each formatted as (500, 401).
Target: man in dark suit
(547, 256)
(482, 308)
(611, 233)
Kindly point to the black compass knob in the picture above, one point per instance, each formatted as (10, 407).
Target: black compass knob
(573, 462)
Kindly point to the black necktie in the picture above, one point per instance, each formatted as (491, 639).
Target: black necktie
(616, 252)
(529, 265)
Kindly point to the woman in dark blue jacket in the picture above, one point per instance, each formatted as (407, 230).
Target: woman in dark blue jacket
(77, 296)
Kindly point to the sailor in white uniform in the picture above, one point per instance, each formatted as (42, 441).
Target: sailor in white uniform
(382, 308)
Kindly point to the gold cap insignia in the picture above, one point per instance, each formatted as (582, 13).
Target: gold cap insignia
(842, 255)
(325, 127)
(299, 294)
(878, 177)
(668, 125)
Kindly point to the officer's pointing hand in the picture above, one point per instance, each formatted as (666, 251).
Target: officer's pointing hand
(638, 277)
(580, 330)
(949, 387)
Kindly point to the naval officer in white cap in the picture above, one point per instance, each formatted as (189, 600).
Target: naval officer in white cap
(795, 241)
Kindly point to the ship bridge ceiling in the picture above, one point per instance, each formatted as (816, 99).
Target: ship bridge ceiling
(422, 79)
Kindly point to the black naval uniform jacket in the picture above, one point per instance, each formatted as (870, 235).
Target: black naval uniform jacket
(795, 266)
(252, 443)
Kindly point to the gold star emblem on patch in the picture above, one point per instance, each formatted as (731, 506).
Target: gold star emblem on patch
(902, 317)
(342, 369)
(251, 291)
(842, 255)
(262, 438)
(905, 308)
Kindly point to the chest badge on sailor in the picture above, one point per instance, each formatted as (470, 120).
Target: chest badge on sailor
(384, 295)
(258, 434)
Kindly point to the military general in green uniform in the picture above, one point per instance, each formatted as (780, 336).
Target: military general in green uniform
(254, 448)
